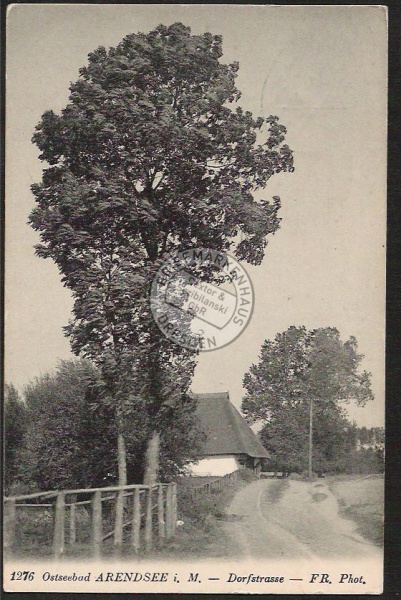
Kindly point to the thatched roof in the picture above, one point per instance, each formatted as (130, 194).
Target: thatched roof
(226, 430)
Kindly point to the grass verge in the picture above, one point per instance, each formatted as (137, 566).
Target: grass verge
(201, 533)
(362, 500)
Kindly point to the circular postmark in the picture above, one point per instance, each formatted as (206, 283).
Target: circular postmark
(202, 299)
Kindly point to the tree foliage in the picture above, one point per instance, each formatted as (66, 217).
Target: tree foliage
(148, 157)
(285, 437)
(151, 155)
(371, 436)
(367, 454)
(15, 423)
(71, 433)
(296, 367)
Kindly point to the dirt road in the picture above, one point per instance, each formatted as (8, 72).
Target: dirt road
(292, 519)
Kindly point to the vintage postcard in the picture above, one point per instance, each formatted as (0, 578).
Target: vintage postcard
(195, 294)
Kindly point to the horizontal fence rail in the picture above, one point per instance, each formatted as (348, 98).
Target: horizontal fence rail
(215, 485)
(62, 520)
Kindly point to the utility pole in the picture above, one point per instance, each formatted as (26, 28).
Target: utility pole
(310, 437)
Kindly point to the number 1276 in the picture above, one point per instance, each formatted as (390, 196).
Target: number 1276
(22, 575)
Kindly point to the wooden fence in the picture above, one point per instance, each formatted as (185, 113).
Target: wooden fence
(215, 485)
(137, 514)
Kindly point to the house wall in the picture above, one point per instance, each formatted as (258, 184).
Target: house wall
(215, 465)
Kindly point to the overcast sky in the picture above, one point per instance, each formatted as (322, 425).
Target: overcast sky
(322, 70)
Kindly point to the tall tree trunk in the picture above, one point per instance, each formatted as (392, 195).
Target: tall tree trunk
(155, 400)
(122, 460)
(122, 480)
(152, 459)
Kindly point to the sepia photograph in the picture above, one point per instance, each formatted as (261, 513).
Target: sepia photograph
(195, 244)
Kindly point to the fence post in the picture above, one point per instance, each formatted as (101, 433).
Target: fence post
(148, 519)
(174, 508)
(136, 521)
(168, 511)
(96, 523)
(72, 515)
(160, 513)
(58, 534)
(9, 524)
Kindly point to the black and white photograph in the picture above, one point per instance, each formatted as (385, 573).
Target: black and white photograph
(195, 245)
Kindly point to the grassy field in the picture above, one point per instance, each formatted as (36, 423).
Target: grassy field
(362, 500)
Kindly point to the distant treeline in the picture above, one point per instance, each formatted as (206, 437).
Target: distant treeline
(370, 436)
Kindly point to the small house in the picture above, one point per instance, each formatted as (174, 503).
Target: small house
(230, 443)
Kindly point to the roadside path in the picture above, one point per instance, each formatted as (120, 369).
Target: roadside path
(292, 519)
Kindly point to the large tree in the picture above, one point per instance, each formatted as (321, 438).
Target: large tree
(151, 155)
(298, 389)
